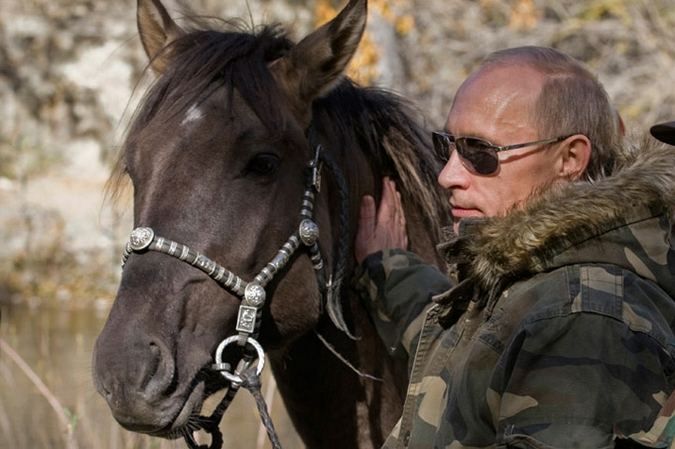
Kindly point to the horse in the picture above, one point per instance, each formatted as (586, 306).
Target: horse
(255, 151)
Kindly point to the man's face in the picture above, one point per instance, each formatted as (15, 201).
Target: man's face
(494, 105)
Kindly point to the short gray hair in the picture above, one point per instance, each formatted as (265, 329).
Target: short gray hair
(572, 101)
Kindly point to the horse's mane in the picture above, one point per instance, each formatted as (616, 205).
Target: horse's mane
(376, 120)
(203, 61)
(389, 129)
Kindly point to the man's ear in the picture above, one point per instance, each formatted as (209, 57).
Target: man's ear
(575, 156)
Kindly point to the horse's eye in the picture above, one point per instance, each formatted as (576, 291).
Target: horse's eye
(263, 164)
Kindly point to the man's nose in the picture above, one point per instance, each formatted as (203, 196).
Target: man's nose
(454, 174)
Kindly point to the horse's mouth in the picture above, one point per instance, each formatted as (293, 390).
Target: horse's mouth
(190, 418)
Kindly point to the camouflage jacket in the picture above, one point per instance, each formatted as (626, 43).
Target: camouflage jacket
(557, 328)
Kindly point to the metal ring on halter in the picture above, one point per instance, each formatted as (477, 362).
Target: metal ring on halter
(233, 377)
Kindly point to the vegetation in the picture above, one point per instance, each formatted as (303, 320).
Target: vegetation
(68, 68)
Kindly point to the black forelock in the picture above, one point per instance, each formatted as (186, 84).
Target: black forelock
(205, 60)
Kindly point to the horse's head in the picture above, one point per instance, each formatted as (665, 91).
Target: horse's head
(218, 158)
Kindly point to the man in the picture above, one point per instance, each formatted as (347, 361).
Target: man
(557, 325)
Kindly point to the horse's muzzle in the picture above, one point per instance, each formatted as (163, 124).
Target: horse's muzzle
(139, 380)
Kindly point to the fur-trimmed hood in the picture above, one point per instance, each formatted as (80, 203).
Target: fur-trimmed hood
(625, 219)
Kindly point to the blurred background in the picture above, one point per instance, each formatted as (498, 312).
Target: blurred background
(71, 76)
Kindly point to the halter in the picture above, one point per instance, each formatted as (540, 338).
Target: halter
(253, 294)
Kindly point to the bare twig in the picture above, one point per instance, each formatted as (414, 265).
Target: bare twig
(69, 432)
(6, 428)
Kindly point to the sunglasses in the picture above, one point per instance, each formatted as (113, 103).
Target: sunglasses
(477, 155)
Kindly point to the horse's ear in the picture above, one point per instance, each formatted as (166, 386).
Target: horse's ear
(157, 30)
(316, 64)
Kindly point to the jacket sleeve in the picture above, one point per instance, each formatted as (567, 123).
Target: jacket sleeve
(396, 286)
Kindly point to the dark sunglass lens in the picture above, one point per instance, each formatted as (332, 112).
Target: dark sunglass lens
(441, 146)
(478, 156)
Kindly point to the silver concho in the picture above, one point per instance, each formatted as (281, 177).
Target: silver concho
(254, 295)
(309, 232)
(141, 238)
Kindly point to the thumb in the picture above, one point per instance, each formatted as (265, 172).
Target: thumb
(366, 228)
(367, 212)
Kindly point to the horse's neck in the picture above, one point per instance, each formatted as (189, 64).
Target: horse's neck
(332, 405)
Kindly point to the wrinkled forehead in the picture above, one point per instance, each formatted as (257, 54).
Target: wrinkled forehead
(496, 104)
(497, 87)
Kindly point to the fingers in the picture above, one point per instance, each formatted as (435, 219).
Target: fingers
(400, 214)
(391, 207)
(367, 213)
(365, 234)
(381, 227)
(398, 237)
(387, 208)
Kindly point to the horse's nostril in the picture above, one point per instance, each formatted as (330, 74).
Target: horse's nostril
(137, 378)
(131, 371)
(159, 372)
(154, 363)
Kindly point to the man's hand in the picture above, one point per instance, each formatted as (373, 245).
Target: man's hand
(381, 229)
